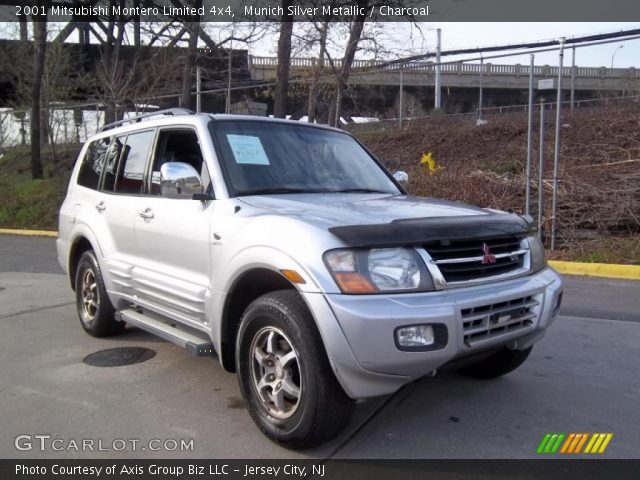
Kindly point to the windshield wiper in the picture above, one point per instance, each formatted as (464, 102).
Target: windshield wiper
(275, 190)
(359, 190)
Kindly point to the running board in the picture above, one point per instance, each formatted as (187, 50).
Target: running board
(196, 342)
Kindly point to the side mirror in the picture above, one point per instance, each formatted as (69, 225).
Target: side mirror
(401, 177)
(179, 180)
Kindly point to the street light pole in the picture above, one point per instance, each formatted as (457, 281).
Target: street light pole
(573, 77)
(556, 154)
(614, 54)
(527, 207)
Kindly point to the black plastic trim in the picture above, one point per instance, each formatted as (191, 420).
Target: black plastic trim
(415, 231)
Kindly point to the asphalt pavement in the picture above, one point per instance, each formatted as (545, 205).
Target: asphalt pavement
(582, 377)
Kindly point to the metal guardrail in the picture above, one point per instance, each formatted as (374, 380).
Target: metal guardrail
(460, 68)
(488, 111)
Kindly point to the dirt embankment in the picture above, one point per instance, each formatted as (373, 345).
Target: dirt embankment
(599, 175)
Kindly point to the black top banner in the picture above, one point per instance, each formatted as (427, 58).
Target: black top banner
(323, 10)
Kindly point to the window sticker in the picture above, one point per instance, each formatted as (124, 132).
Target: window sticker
(247, 149)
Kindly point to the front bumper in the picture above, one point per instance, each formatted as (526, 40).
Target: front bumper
(367, 361)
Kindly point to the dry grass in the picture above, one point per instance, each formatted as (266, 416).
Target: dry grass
(599, 177)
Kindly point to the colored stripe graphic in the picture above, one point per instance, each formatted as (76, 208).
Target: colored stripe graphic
(566, 445)
(598, 442)
(543, 443)
(605, 443)
(556, 445)
(581, 442)
(552, 442)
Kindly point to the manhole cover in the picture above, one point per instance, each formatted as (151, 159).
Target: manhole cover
(118, 357)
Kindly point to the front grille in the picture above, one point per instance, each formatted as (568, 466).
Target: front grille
(461, 261)
(494, 320)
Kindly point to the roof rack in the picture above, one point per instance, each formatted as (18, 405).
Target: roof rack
(168, 111)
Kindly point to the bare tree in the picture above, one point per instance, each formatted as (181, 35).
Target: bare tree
(133, 83)
(39, 51)
(214, 35)
(284, 63)
(325, 39)
(193, 29)
(312, 102)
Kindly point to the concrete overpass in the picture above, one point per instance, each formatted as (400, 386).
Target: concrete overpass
(460, 75)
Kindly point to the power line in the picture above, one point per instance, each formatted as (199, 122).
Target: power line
(517, 46)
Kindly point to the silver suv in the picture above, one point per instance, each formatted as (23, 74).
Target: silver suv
(289, 252)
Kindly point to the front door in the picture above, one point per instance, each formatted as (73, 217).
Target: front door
(172, 273)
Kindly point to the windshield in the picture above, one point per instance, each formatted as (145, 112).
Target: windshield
(263, 157)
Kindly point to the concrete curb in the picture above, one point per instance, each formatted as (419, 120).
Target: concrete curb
(608, 270)
(30, 233)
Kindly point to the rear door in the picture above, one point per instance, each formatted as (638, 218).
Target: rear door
(172, 273)
(122, 186)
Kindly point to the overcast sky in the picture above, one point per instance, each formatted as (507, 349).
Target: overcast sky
(404, 39)
(460, 35)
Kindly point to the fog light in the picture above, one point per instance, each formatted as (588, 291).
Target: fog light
(415, 336)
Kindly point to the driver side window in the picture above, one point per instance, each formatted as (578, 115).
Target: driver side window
(179, 145)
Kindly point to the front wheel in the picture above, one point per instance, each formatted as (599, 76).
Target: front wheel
(496, 365)
(284, 374)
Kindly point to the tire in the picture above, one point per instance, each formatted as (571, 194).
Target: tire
(284, 374)
(496, 365)
(94, 307)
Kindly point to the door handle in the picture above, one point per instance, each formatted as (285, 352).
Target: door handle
(147, 214)
(101, 207)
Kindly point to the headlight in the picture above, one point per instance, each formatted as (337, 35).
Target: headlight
(378, 270)
(538, 260)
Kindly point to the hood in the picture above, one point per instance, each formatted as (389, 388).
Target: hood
(327, 210)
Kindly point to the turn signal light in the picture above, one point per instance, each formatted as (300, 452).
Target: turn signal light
(354, 283)
(294, 276)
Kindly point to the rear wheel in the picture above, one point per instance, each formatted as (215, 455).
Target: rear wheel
(496, 365)
(284, 374)
(94, 307)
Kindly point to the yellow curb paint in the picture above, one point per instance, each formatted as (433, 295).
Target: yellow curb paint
(608, 270)
(31, 233)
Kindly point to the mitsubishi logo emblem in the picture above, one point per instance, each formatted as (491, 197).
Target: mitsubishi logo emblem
(487, 257)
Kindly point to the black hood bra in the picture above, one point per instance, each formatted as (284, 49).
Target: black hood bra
(415, 231)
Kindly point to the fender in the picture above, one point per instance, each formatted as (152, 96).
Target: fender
(259, 257)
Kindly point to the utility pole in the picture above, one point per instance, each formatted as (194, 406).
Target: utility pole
(438, 104)
(556, 154)
(198, 89)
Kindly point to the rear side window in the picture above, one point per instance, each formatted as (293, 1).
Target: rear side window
(93, 163)
(111, 163)
(127, 175)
